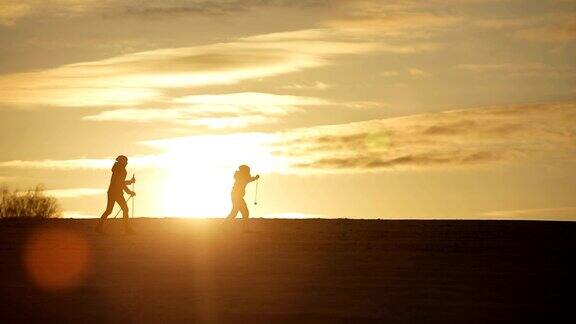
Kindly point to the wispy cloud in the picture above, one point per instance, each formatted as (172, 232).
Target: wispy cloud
(522, 69)
(413, 73)
(249, 98)
(58, 164)
(561, 213)
(74, 192)
(505, 23)
(13, 10)
(451, 139)
(307, 86)
(186, 116)
(389, 74)
(562, 30)
(201, 152)
(418, 74)
(216, 111)
(404, 19)
(4, 179)
(548, 27)
(144, 77)
(213, 7)
(504, 67)
(458, 138)
(71, 164)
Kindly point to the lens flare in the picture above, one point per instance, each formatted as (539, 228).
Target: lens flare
(56, 259)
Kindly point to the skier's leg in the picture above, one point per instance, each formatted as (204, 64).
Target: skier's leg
(245, 215)
(107, 212)
(234, 210)
(125, 213)
(233, 213)
(243, 208)
(109, 208)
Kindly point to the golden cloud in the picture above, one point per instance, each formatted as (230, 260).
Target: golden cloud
(457, 138)
(562, 213)
(562, 31)
(13, 10)
(399, 23)
(78, 164)
(137, 78)
(546, 28)
(216, 111)
(74, 192)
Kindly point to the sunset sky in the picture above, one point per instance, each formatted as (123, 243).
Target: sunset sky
(346, 108)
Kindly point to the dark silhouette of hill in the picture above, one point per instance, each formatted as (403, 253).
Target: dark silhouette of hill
(289, 271)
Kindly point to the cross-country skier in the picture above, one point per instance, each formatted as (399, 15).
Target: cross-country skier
(242, 177)
(118, 184)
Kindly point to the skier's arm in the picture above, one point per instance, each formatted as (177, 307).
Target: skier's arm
(254, 178)
(128, 191)
(129, 182)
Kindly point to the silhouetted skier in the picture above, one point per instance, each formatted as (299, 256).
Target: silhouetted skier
(118, 183)
(242, 178)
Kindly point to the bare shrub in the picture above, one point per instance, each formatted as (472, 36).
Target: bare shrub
(33, 203)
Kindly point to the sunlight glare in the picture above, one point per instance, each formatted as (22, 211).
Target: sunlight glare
(200, 171)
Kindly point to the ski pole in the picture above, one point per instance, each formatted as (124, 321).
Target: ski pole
(119, 210)
(131, 197)
(133, 185)
(256, 193)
